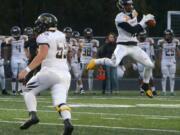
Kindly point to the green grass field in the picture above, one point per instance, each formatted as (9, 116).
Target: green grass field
(124, 113)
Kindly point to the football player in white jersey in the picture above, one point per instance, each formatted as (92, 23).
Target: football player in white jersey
(128, 26)
(169, 46)
(147, 44)
(76, 65)
(74, 58)
(2, 73)
(68, 32)
(18, 56)
(89, 51)
(54, 73)
(69, 41)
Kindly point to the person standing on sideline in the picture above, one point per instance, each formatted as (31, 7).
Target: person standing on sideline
(169, 46)
(107, 50)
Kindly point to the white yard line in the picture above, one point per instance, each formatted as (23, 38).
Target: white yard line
(111, 118)
(92, 113)
(26, 119)
(159, 105)
(156, 118)
(131, 98)
(71, 119)
(22, 101)
(98, 98)
(133, 115)
(98, 106)
(93, 105)
(96, 126)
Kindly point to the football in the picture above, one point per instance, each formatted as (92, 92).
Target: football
(151, 23)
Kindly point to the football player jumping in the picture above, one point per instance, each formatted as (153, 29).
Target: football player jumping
(128, 26)
(169, 46)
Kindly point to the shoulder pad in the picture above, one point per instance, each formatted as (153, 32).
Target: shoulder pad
(42, 38)
(161, 42)
(175, 40)
(121, 17)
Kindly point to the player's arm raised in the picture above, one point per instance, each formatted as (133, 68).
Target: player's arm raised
(123, 23)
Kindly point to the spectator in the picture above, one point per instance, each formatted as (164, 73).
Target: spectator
(107, 50)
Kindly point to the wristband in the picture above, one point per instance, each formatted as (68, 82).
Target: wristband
(28, 69)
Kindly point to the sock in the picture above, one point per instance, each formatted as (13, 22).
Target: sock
(145, 86)
(153, 88)
(33, 115)
(90, 83)
(30, 101)
(90, 79)
(13, 86)
(77, 86)
(172, 82)
(164, 84)
(20, 86)
(81, 86)
(3, 83)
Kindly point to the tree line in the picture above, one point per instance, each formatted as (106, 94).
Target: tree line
(79, 14)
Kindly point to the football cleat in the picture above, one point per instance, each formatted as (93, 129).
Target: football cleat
(163, 94)
(149, 93)
(142, 93)
(82, 91)
(68, 128)
(4, 92)
(32, 121)
(172, 94)
(14, 93)
(91, 64)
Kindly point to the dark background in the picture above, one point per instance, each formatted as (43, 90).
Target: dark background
(79, 14)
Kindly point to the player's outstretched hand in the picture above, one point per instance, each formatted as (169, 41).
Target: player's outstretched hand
(148, 17)
(145, 19)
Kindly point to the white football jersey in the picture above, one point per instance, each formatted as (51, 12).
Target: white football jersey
(147, 46)
(75, 51)
(124, 36)
(17, 46)
(88, 49)
(57, 53)
(169, 49)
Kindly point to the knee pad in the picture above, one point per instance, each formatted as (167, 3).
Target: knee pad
(76, 75)
(62, 107)
(172, 77)
(164, 77)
